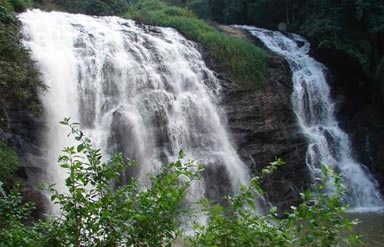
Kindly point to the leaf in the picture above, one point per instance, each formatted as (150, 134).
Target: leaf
(325, 170)
(251, 203)
(259, 190)
(265, 171)
(80, 148)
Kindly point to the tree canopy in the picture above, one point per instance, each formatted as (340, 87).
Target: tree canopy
(354, 27)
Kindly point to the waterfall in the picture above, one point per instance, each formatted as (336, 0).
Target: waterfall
(140, 90)
(328, 144)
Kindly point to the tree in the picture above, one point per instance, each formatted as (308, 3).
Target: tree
(19, 78)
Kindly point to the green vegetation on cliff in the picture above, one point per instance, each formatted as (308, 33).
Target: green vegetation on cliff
(245, 62)
(354, 27)
(89, 7)
(241, 61)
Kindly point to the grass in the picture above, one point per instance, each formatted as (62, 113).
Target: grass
(245, 63)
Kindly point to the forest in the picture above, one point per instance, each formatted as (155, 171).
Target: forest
(354, 27)
(112, 213)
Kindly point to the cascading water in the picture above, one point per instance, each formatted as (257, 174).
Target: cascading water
(140, 90)
(328, 144)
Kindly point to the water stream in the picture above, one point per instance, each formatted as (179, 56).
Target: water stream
(370, 229)
(146, 92)
(328, 144)
(140, 90)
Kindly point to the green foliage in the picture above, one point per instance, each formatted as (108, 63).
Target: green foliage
(19, 78)
(245, 62)
(9, 162)
(354, 27)
(339, 26)
(7, 7)
(260, 12)
(21, 5)
(318, 221)
(98, 211)
(16, 226)
(90, 7)
(13, 215)
(200, 8)
(95, 213)
(239, 223)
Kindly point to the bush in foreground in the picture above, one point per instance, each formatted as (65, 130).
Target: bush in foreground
(95, 213)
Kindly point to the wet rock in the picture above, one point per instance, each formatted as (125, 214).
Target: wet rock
(40, 200)
(264, 128)
(216, 181)
(21, 130)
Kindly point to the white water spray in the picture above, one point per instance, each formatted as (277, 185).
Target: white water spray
(140, 90)
(328, 144)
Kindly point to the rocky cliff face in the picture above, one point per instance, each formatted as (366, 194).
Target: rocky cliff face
(20, 130)
(264, 128)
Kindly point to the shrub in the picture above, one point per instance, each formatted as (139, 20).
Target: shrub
(95, 213)
(21, 5)
(318, 221)
(6, 5)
